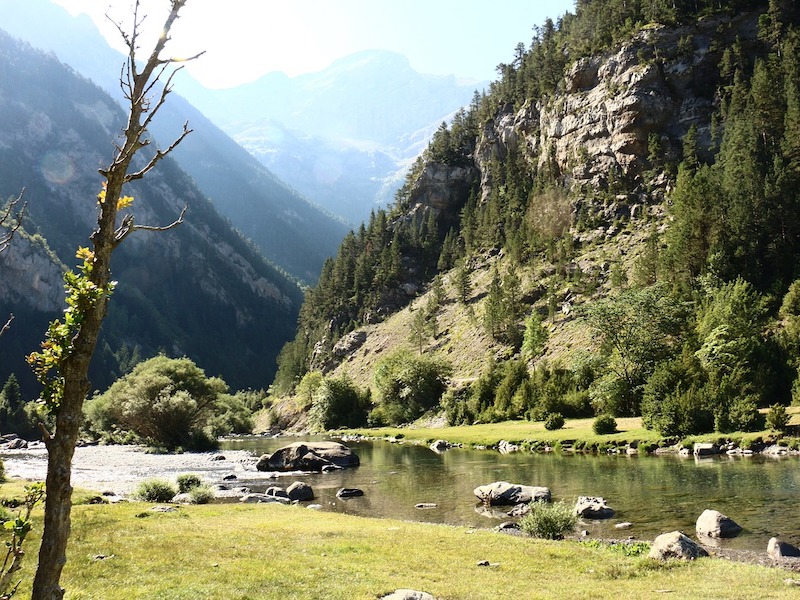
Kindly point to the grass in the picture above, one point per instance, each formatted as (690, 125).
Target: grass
(243, 552)
(629, 430)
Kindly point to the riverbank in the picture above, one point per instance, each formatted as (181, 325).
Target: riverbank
(270, 551)
(577, 435)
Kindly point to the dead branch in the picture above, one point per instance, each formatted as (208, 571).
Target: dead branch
(16, 220)
(127, 227)
(7, 325)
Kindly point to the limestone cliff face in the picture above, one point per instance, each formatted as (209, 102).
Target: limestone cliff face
(32, 277)
(598, 125)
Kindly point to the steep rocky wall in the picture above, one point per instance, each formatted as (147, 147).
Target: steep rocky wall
(597, 126)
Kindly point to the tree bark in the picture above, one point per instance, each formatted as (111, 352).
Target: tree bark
(138, 87)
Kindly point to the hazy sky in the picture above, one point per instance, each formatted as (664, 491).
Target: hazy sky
(245, 39)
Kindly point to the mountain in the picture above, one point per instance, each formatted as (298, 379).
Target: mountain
(343, 136)
(612, 230)
(200, 290)
(289, 230)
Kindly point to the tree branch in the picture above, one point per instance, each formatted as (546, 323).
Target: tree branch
(15, 223)
(128, 227)
(7, 325)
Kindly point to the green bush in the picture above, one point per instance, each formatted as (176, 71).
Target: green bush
(549, 521)
(408, 385)
(554, 421)
(165, 402)
(777, 417)
(337, 402)
(604, 425)
(155, 490)
(188, 481)
(201, 494)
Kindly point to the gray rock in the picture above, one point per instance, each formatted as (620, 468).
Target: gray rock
(408, 595)
(705, 449)
(300, 492)
(778, 550)
(349, 493)
(259, 498)
(676, 545)
(315, 506)
(716, 525)
(426, 505)
(308, 456)
(623, 525)
(439, 445)
(276, 492)
(593, 507)
(504, 493)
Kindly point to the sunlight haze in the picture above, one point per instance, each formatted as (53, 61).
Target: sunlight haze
(245, 39)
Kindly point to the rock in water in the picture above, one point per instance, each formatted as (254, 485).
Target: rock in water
(504, 493)
(300, 492)
(716, 525)
(308, 456)
(593, 507)
(778, 550)
(676, 545)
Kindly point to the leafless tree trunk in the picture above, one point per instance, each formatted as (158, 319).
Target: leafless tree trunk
(144, 100)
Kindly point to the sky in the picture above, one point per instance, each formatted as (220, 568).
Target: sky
(245, 39)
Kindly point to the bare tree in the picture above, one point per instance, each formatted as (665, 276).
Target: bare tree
(63, 363)
(10, 222)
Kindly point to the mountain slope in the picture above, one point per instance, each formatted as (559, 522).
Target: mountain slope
(345, 135)
(200, 290)
(613, 229)
(289, 230)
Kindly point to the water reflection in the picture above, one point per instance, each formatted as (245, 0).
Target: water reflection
(656, 494)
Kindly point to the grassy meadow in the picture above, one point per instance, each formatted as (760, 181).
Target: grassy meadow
(234, 551)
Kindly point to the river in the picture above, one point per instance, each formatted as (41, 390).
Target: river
(655, 493)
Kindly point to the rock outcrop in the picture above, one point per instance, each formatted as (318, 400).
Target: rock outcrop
(308, 456)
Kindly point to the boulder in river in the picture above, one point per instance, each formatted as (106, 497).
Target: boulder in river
(778, 550)
(716, 525)
(593, 507)
(300, 492)
(504, 493)
(308, 456)
(676, 545)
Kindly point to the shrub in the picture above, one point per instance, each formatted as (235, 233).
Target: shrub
(337, 402)
(201, 494)
(155, 490)
(604, 424)
(408, 385)
(777, 417)
(188, 481)
(549, 521)
(554, 421)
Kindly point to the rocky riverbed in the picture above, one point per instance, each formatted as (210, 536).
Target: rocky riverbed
(120, 469)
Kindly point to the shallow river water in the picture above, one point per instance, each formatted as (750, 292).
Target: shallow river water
(656, 494)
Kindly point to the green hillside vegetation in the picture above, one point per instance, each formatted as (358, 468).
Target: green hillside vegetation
(686, 317)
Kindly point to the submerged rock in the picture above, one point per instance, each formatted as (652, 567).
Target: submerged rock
(300, 492)
(593, 507)
(308, 456)
(349, 493)
(504, 493)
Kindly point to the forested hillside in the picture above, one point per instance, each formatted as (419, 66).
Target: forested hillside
(200, 290)
(612, 228)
